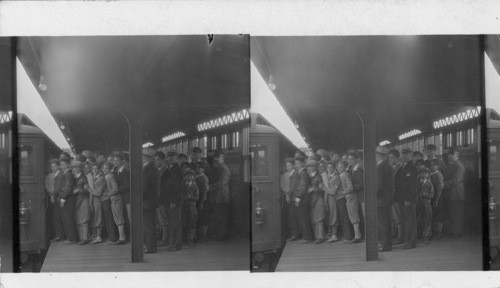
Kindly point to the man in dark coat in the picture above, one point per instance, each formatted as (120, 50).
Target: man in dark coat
(196, 159)
(384, 197)
(220, 196)
(171, 198)
(430, 152)
(405, 194)
(67, 201)
(150, 199)
(161, 211)
(453, 194)
(123, 181)
(293, 179)
(302, 200)
(57, 210)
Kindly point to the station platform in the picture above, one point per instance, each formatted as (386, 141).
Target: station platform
(446, 254)
(209, 256)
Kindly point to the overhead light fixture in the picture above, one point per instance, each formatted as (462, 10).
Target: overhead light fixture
(296, 125)
(271, 83)
(41, 84)
(210, 38)
(62, 125)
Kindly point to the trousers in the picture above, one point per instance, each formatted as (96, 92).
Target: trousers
(68, 218)
(410, 223)
(149, 223)
(109, 222)
(345, 223)
(384, 226)
(304, 219)
(174, 227)
(293, 220)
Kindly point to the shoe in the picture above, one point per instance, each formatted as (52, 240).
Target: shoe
(304, 241)
(83, 242)
(345, 241)
(384, 249)
(426, 241)
(293, 238)
(354, 240)
(149, 251)
(333, 238)
(68, 242)
(57, 239)
(119, 242)
(172, 249)
(319, 241)
(162, 243)
(409, 246)
(96, 240)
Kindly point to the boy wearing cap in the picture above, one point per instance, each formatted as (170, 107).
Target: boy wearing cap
(405, 195)
(189, 213)
(351, 199)
(425, 192)
(437, 182)
(82, 203)
(67, 200)
(123, 181)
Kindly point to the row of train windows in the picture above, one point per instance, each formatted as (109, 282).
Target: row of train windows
(224, 141)
(440, 140)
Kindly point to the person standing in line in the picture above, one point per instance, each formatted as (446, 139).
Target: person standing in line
(415, 156)
(397, 210)
(425, 194)
(150, 199)
(384, 197)
(161, 211)
(322, 170)
(100, 185)
(351, 199)
(196, 154)
(220, 192)
(53, 186)
(94, 204)
(66, 200)
(358, 181)
(203, 211)
(171, 198)
(117, 205)
(189, 213)
(453, 192)
(302, 201)
(430, 152)
(331, 188)
(405, 195)
(102, 209)
(437, 207)
(122, 175)
(317, 207)
(82, 203)
(288, 185)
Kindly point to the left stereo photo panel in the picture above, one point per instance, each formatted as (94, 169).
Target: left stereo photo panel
(133, 154)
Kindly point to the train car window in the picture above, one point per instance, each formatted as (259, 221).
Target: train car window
(430, 140)
(421, 144)
(26, 165)
(223, 141)
(195, 142)
(459, 136)
(260, 160)
(494, 155)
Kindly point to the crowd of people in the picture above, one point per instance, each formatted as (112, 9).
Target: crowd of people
(90, 198)
(419, 195)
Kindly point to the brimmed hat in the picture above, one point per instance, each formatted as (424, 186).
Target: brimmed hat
(382, 150)
(77, 164)
(172, 153)
(424, 169)
(312, 163)
(406, 151)
(150, 152)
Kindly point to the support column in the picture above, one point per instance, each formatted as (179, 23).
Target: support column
(369, 145)
(136, 203)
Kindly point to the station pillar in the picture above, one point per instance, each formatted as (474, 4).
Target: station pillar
(369, 145)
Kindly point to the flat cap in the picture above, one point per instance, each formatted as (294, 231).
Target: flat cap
(382, 150)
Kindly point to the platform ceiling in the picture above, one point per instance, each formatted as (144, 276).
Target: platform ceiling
(89, 77)
(416, 79)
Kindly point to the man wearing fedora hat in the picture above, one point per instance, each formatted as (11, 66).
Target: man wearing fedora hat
(82, 203)
(302, 200)
(384, 197)
(171, 198)
(150, 199)
(67, 200)
(405, 194)
(316, 189)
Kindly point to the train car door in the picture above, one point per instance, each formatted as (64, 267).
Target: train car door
(32, 201)
(266, 196)
(494, 185)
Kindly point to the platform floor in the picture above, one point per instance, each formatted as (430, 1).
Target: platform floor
(444, 255)
(210, 256)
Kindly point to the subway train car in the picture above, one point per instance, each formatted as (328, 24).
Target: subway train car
(268, 147)
(34, 149)
(494, 185)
